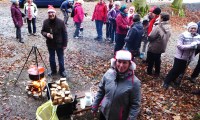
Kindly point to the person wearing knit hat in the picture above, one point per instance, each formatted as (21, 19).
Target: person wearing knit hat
(187, 44)
(54, 30)
(17, 19)
(121, 83)
(157, 11)
(65, 8)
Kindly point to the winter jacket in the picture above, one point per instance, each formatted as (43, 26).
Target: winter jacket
(119, 96)
(65, 6)
(134, 36)
(34, 10)
(112, 14)
(185, 50)
(122, 24)
(151, 23)
(100, 12)
(58, 29)
(159, 38)
(198, 30)
(16, 16)
(79, 13)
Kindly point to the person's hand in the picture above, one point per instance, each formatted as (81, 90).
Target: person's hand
(49, 35)
(128, 27)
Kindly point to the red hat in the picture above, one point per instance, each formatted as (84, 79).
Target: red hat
(152, 9)
(51, 8)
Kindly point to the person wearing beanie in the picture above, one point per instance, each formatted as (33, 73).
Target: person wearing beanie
(65, 6)
(158, 40)
(196, 71)
(123, 25)
(112, 14)
(119, 90)
(134, 36)
(17, 19)
(30, 10)
(185, 52)
(100, 17)
(54, 30)
(78, 17)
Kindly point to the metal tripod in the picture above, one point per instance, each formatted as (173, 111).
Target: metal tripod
(35, 51)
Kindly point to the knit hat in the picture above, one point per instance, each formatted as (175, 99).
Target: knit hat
(117, 3)
(192, 24)
(80, 1)
(157, 11)
(123, 55)
(51, 8)
(123, 7)
(13, 1)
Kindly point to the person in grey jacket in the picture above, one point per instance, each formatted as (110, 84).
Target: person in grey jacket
(119, 90)
(185, 52)
(158, 40)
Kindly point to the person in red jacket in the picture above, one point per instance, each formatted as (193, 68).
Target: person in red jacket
(78, 17)
(123, 26)
(100, 16)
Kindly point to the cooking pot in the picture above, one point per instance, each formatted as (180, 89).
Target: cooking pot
(36, 73)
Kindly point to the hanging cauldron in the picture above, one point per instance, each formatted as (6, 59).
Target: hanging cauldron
(36, 73)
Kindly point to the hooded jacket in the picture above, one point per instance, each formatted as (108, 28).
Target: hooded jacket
(79, 13)
(122, 23)
(185, 49)
(135, 36)
(34, 9)
(100, 12)
(159, 37)
(119, 95)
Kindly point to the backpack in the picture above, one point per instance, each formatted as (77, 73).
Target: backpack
(73, 11)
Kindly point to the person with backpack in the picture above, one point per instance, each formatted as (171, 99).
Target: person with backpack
(30, 10)
(112, 14)
(134, 36)
(158, 40)
(185, 52)
(119, 90)
(100, 17)
(65, 6)
(78, 17)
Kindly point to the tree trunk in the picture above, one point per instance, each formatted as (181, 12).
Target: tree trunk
(177, 4)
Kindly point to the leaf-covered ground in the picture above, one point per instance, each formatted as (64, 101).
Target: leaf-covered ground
(86, 60)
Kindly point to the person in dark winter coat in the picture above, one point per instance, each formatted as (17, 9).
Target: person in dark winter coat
(185, 52)
(123, 26)
(65, 6)
(112, 14)
(119, 90)
(17, 19)
(134, 36)
(55, 32)
(100, 17)
(158, 40)
(108, 24)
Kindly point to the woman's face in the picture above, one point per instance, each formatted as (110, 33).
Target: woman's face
(126, 10)
(193, 30)
(122, 65)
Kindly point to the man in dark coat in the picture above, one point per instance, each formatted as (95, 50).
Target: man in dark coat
(17, 19)
(134, 36)
(65, 6)
(55, 32)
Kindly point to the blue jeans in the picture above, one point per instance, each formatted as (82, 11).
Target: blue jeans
(18, 32)
(99, 26)
(78, 25)
(108, 30)
(60, 54)
(113, 31)
(33, 21)
(66, 16)
(119, 42)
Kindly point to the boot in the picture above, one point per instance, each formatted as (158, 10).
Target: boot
(21, 40)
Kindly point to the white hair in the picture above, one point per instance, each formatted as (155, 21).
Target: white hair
(117, 3)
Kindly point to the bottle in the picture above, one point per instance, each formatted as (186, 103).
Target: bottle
(51, 32)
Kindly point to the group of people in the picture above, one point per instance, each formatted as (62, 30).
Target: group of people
(119, 90)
